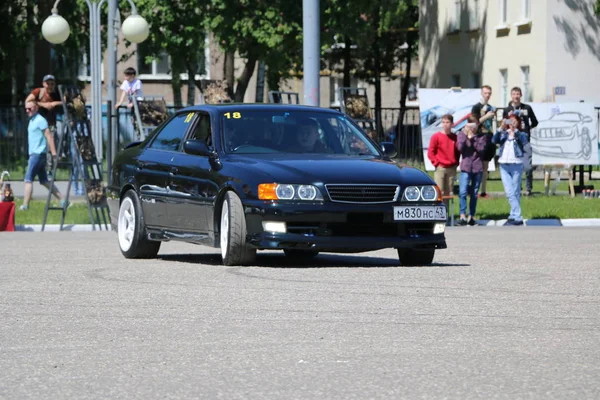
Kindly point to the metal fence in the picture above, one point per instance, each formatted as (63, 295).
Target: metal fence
(13, 133)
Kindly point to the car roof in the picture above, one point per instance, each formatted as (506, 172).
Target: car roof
(255, 106)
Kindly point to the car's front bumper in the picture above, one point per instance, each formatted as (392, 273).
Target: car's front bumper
(338, 227)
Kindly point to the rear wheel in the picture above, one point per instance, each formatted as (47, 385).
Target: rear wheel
(300, 255)
(131, 229)
(413, 257)
(234, 248)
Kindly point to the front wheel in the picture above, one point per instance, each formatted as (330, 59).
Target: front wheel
(586, 144)
(413, 257)
(234, 248)
(131, 229)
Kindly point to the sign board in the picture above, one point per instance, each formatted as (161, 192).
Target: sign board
(434, 103)
(560, 90)
(567, 133)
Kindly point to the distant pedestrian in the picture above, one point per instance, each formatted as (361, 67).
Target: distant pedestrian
(40, 140)
(131, 87)
(443, 154)
(50, 107)
(485, 113)
(528, 122)
(513, 144)
(471, 144)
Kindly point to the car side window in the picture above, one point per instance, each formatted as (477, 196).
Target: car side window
(202, 130)
(170, 137)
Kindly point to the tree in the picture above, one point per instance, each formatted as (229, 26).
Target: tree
(265, 30)
(380, 31)
(177, 28)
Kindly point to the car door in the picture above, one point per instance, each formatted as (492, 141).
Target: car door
(153, 167)
(191, 189)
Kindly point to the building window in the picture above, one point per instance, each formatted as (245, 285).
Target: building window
(152, 67)
(503, 11)
(455, 19)
(526, 9)
(455, 80)
(525, 83)
(476, 80)
(474, 15)
(504, 86)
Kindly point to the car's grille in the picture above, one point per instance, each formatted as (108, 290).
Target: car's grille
(551, 133)
(363, 193)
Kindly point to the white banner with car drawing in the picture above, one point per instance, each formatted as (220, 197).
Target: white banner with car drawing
(567, 133)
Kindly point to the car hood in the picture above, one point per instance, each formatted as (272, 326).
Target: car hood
(290, 168)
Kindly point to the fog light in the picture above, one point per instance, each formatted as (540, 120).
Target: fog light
(273, 226)
(439, 228)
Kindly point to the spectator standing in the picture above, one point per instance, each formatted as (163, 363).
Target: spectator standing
(528, 122)
(443, 154)
(130, 87)
(471, 143)
(485, 112)
(50, 107)
(511, 156)
(40, 140)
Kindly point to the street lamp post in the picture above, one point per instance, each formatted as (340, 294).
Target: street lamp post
(55, 29)
(311, 51)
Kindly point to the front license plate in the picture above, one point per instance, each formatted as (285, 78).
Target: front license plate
(419, 213)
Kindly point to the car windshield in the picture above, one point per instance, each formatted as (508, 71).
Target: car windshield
(573, 117)
(289, 131)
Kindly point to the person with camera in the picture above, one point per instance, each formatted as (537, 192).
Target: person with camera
(471, 143)
(528, 121)
(514, 146)
(485, 112)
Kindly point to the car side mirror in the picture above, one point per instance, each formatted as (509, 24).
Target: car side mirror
(198, 148)
(388, 149)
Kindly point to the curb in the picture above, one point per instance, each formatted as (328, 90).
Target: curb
(56, 228)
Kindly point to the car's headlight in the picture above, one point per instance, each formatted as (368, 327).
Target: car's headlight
(277, 191)
(429, 193)
(412, 193)
(423, 193)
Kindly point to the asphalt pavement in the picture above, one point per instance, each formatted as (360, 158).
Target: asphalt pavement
(503, 313)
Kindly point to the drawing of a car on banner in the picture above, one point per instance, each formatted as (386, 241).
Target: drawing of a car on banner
(565, 134)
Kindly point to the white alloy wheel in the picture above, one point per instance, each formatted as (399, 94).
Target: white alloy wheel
(126, 224)
(224, 228)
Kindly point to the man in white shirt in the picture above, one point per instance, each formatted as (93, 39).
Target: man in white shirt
(131, 87)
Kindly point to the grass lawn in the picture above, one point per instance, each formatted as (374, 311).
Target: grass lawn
(76, 214)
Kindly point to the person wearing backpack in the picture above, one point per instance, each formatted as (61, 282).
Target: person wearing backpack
(50, 107)
(512, 157)
(485, 112)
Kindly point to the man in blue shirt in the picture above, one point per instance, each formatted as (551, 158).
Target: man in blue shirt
(40, 139)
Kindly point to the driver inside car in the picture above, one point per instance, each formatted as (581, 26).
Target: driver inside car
(308, 138)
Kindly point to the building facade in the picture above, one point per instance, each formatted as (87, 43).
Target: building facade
(549, 48)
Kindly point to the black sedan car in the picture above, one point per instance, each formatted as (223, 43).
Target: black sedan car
(248, 177)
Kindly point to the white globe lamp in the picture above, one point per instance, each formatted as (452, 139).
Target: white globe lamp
(135, 28)
(55, 29)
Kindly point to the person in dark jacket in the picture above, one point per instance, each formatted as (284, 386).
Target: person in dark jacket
(528, 122)
(471, 143)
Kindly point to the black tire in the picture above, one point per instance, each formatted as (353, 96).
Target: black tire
(131, 230)
(413, 257)
(235, 250)
(300, 255)
(586, 144)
